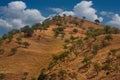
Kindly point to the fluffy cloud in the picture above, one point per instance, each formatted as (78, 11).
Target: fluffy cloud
(17, 5)
(67, 13)
(84, 8)
(106, 14)
(16, 15)
(57, 10)
(4, 23)
(115, 21)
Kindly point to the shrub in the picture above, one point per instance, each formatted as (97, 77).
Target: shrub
(106, 66)
(103, 44)
(1, 42)
(95, 49)
(42, 75)
(62, 73)
(19, 39)
(13, 51)
(113, 51)
(33, 78)
(10, 37)
(25, 73)
(73, 75)
(53, 76)
(86, 60)
(97, 67)
(66, 40)
(2, 76)
(27, 31)
(26, 44)
(60, 56)
(4, 36)
(75, 30)
(108, 37)
(2, 51)
(51, 65)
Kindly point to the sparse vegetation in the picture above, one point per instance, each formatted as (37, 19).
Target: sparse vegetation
(75, 56)
(2, 51)
(2, 76)
(13, 51)
(26, 44)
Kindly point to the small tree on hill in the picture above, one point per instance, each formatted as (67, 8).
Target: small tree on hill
(4, 36)
(27, 31)
(13, 50)
(86, 60)
(97, 21)
(1, 42)
(19, 40)
(2, 76)
(108, 37)
(42, 75)
(2, 51)
(26, 44)
(97, 67)
(75, 30)
(10, 37)
(95, 49)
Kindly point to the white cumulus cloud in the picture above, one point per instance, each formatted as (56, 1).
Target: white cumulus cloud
(67, 13)
(115, 21)
(57, 10)
(84, 8)
(16, 15)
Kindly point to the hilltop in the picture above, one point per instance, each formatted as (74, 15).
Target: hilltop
(61, 48)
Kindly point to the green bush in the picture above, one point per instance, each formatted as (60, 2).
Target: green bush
(108, 37)
(75, 30)
(2, 51)
(25, 44)
(51, 65)
(13, 51)
(27, 31)
(2, 76)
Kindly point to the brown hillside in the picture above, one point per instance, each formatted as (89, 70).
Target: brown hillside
(19, 62)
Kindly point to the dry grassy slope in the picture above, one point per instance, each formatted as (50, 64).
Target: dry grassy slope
(39, 53)
(72, 64)
(32, 59)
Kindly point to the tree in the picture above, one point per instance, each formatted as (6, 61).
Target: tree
(14, 31)
(97, 21)
(2, 51)
(42, 75)
(103, 44)
(19, 40)
(95, 49)
(2, 76)
(83, 17)
(62, 74)
(75, 30)
(10, 37)
(108, 37)
(97, 67)
(13, 50)
(86, 60)
(1, 42)
(26, 44)
(27, 31)
(4, 36)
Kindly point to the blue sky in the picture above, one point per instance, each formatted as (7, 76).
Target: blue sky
(16, 14)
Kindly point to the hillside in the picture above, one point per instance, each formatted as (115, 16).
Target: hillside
(61, 48)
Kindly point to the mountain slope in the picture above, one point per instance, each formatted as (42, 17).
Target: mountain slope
(24, 54)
